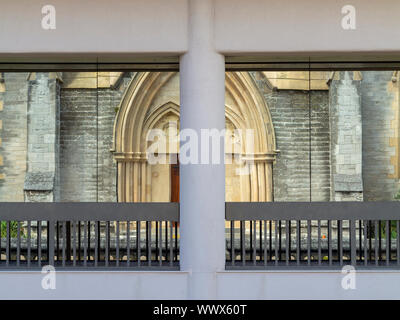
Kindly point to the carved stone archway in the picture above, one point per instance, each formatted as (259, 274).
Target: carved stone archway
(152, 100)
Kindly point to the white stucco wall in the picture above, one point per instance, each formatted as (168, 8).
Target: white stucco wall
(174, 285)
(95, 26)
(157, 27)
(287, 26)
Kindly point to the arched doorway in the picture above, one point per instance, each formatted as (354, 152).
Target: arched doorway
(152, 102)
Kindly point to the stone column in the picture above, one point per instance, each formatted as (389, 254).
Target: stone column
(260, 171)
(269, 177)
(42, 178)
(346, 137)
(202, 192)
(143, 181)
(132, 179)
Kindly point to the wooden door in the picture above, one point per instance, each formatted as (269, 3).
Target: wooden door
(175, 182)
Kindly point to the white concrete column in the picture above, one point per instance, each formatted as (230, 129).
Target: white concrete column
(202, 187)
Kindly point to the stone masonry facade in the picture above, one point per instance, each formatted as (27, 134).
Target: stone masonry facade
(332, 144)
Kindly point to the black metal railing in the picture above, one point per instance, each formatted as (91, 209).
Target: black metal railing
(89, 235)
(313, 234)
(146, 235)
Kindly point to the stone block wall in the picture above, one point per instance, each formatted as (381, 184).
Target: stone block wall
(378, 114)
(346, 136)
(87, 169)
(2, 90)
(82, 168)
(78, 145)
(13, 135)
(42, 176)
(320, 146)
(290, 111)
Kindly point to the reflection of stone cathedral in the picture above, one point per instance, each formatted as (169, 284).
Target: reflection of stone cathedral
(82, 137)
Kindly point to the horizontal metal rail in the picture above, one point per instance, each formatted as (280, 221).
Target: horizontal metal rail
(312, 235)
(143, 211)
(312, 210)
(89, 235)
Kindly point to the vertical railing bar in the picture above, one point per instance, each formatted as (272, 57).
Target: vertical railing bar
(265, 243)
(309, 242)
(166, 242)
(276, 242)
(108, 241)
(47, 241)
(96, 244)
(365, 243)
(298, 246)
(51, 239)
(8, 240)
(117, 245)
(319, 242)
(107, 248)
(99, 240)
(58, 241)
(233, 243)
(376, 242)
(338, 239)
(330, 241)
(176, 240)
(230, 241)
(138, 242)
(156, 241)
(0, 240)
(242, 238)
(149, 246)
(287, 241)
(64, 226)
(290, 240)
(341, 243)
(398, 242)
(390, 240)
(147, 240)
(69, 250)
(260, 239)
(270, 239)
(74, 243)
(79, 241)
(39, 236)
(18, 242)
(171, 245)
(280, 240)
(128, 243)
(380, 239)
(369, 229)
(251, 240)
(85, 243)
(387, 226)
(360, 251)
(29, 244)
(160, 244)
(353, 242)
(254, 243)
(89, 238)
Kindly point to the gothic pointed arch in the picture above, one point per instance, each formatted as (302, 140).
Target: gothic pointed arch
(152, 98)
